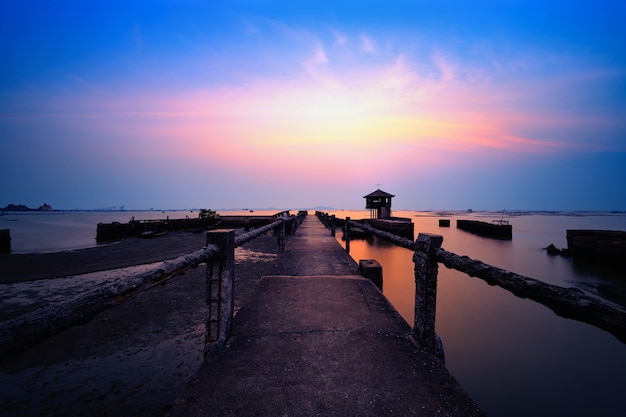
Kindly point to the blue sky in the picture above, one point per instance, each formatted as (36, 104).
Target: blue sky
(180, 104)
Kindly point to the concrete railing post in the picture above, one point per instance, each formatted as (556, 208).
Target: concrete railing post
(293, 225)
(281, 236)
(220, 279)
(301, 216)
(426, 268)
(332, 225)
(347, 233)
(370, 268)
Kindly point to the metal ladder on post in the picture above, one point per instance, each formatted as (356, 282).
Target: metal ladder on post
(213, 300)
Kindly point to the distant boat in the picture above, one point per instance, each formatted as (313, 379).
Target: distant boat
(501, 221)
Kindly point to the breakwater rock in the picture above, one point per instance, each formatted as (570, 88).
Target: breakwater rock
(116, 230)
(494, 230)
(600, 246)
(150, 228)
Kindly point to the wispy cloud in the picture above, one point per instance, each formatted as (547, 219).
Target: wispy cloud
(444, 66)
(421, 105)
(368, 44)
(339, 38)
(318, 57)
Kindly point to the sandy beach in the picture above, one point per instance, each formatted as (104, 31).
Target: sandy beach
(132, 359)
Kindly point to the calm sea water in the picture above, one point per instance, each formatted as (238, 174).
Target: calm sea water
(514, 356)
(67, 230)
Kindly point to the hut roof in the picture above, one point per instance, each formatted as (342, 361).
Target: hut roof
(378, 193)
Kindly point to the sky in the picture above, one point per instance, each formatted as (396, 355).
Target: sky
(517, 105)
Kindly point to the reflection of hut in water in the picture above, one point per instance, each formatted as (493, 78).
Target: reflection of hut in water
(379, 205)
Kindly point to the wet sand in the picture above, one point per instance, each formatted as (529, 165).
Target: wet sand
(135, 358)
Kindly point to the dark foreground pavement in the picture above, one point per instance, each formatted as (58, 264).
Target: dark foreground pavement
(318, 339)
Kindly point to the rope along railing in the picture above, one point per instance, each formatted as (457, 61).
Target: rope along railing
(569, 303)
(29, 329)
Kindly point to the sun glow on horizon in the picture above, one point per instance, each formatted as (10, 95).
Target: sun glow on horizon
(268, 97)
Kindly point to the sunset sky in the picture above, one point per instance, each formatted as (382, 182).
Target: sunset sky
(233, 104)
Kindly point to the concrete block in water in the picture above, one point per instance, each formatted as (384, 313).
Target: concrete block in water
(371, 269)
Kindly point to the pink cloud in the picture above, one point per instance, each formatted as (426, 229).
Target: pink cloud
(368, 44)
(393, 111)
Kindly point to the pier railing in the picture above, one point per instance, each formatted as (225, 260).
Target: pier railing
(26, 330)
(569, 303)
(220, 274)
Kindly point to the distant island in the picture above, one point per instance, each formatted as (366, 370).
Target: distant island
(22, 207)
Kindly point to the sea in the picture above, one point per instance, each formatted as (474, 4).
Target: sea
(513, 356)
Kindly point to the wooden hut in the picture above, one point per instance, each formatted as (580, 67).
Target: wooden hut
(379, 204)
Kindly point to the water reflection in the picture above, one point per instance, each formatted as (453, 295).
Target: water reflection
(515, 357)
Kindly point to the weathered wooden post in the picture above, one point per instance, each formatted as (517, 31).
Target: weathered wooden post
(220, 278)
(332, 225)
(426, 268)
(347, 233)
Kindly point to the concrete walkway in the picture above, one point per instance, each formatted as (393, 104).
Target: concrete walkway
(319, 339)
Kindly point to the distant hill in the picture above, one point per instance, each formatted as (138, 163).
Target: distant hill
(323, 208)
(22, 207)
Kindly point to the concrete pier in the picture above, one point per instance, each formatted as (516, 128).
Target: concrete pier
(317, 338)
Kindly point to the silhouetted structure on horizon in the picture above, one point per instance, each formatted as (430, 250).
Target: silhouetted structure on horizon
(379, 204)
